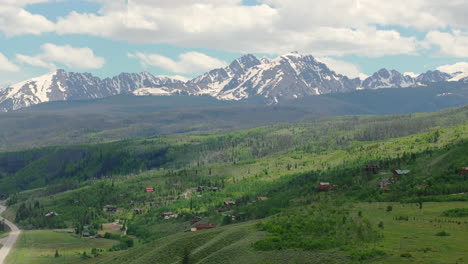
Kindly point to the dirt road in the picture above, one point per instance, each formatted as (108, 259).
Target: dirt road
(10, 240)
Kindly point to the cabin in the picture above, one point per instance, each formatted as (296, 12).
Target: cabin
(228, 203)
(205, 226)
(139, 211)
(398, 173)
(214, 189)
(169, 215)
(110, 209)
(86, 234)
(384, 183)
(149, 189)
(200, 188)
(196, 219)
(51, 214)
(463, 171)
(262, 198)
(372, 168)
(325, 186)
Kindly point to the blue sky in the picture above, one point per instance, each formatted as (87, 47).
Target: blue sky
(188, 37)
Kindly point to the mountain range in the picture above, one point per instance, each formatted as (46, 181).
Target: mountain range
(286, 77)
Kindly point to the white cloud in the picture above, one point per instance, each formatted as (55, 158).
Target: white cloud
(454, 68)
(15, 21)
(321, 27)
(75, 58)
(175, 77)
(453, 44)
(411, 74)
(343, 67)
(6, 65)
(190, 62)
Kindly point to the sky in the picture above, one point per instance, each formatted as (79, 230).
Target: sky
(184, 38)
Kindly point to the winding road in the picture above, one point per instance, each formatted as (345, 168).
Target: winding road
(9, 241)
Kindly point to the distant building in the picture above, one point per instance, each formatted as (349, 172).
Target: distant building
(325, 186)
(86, 234)
(372, 168)
(205, 226)
(228, 203)
(385, 183)
(398, 173)
(169, 215)
(51, 214)
(110, 209)
(149, 189)
(139, 211)
(214, 189)
(463, 171)
(196, 219)
(200, 188)
(262, 198)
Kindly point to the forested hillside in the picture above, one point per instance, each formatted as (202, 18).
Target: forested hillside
(261, 187)
(121, 117)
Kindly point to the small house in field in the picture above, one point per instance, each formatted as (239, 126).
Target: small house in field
(169, 215)
(149, 189)
(86, 234)
(372, 168)
(196, 219)
(139, 211)
(205, 226)
(325, 186)
(398, 173)
(385, 183)
(229, 203)
(200, 188)
(262, 198)
(51, 214)
(110, 209)
(214, 189)
(463, 171)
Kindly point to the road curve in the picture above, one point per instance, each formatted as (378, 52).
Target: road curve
(10, 240)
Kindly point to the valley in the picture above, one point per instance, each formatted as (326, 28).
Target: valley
(253, 186)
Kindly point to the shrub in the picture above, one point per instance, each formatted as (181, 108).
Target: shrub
(442, 233)
(457, 212)
(367, 254)
(406, 255)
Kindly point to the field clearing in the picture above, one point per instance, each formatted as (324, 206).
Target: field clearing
(38, 247)
(417, 236)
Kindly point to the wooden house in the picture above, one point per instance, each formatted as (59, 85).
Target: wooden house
(205, 226)
(196, 219)
(51, 214)
(139, 211)
(372, 168)
(169, 215)
(398, 173)
(214, 189)
(149, 189)
(325, 186)
(463, 171)
(110, 209)
(262, 198)
(200, 188)
(385, 183)
(229, 203)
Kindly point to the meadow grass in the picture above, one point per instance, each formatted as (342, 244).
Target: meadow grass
(39, 247)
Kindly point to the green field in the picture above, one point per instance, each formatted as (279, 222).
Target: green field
(233, 244)
(39, 246)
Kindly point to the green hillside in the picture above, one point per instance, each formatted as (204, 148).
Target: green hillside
(356, 221)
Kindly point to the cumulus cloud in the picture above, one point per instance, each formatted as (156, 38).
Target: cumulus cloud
(15, 21)
(321, 27)
(342, 67)
(6, 65)
(190, 62)
(75, 58)
(454, 68)
(450, 44)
